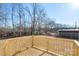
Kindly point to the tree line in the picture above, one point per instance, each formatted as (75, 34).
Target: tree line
(17, 19)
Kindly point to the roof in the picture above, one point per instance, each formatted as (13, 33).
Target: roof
(68, 30)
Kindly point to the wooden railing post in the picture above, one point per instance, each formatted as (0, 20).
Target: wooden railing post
(32, 40)
(47, 44)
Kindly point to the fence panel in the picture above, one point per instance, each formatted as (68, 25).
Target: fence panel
(40, 42)
(2, 47)
(61, 46)
(18, 44)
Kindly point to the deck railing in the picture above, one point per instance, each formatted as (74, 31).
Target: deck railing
(53, 45)
(58, 46)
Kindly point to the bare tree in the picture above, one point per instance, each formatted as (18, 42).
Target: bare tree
(21, 18)
(32, 14)
(37, 14)
(41, 16)
(3, 18)
(12, 16)
(1, 15)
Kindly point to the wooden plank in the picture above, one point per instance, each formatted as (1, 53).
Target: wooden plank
(2, 47)
(30, 52)
(18, 44)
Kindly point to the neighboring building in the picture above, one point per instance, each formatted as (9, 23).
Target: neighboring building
(69, 33)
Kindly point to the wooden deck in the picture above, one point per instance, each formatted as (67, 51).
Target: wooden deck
(39, 46)
(33, 52)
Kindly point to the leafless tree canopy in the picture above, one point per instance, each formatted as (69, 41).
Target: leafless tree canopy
(25, 19)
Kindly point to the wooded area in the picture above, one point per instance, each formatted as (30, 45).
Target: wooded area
(17, 19)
